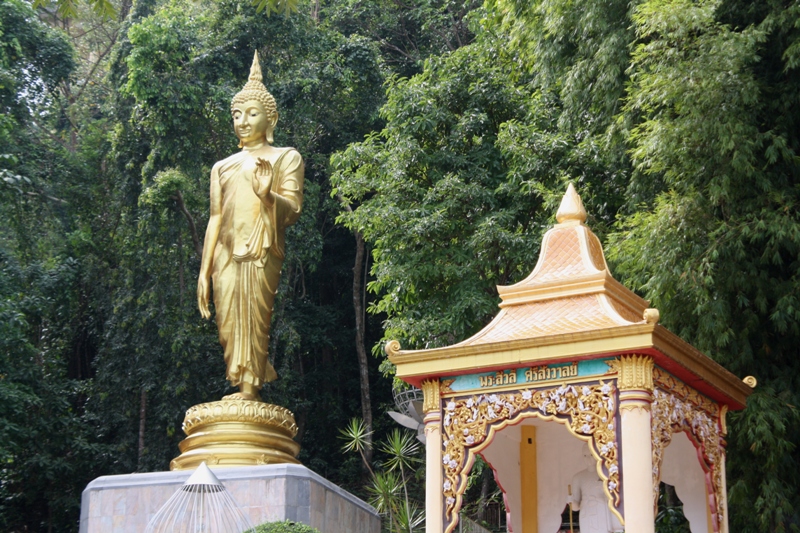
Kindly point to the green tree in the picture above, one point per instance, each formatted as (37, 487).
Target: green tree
(676, 120)
(716, 245)
(107, 9)
(46, 337)
(435, 198)
(45, 446)
(395, 489)
(407, 33)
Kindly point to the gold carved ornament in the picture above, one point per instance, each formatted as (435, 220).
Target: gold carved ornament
(634, 372)
(392, 348)
(240, 411)
(445, 386)
(666, 381)
(677, 407)
(588, 411)
(431, 402)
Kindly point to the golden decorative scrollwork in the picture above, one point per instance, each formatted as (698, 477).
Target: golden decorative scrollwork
(651, 315)
(634, 372)
(587, 410)
(392, 348)
(671, 414)
(430, 393)
(670, 383)
(661, 430)
(444, 386)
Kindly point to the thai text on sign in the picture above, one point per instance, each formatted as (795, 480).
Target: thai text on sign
(532, 375)
(548, 372)
(501, 378)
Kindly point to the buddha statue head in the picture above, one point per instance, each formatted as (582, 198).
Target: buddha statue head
(254, 110)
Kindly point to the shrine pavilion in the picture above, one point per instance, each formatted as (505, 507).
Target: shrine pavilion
(574, 358)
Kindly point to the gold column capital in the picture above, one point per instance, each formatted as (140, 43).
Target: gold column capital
(431, 398)
(634, 372)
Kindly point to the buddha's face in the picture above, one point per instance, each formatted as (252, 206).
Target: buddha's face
(251, 123)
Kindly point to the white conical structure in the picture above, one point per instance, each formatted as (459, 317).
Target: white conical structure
(202, 504)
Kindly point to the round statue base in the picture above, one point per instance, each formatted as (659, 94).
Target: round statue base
(237, 433)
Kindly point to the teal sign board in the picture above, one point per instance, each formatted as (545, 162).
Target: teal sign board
(532, 375)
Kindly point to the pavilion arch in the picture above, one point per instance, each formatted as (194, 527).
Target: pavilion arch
(471, 423)
(534, 463)
(683, 470)
(680, 414)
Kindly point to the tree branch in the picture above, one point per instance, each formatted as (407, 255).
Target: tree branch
(94, 67)
(198, 248)
(402, 52)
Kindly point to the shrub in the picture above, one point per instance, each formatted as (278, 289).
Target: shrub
(286, 526)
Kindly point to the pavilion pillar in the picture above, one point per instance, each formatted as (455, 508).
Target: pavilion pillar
(635, 382)
(432, 406)
(722, 507)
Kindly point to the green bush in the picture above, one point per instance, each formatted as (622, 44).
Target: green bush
(284, 527)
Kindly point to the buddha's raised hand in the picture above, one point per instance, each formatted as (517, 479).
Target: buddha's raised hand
(262, 179)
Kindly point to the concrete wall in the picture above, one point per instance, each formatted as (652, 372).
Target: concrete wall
(125, 504)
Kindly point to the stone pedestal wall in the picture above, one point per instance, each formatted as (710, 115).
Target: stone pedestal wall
(125, 504)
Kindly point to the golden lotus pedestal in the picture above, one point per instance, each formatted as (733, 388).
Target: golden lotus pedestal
(237, 433)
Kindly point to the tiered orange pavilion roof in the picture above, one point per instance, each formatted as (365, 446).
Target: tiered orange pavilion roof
(570, 308)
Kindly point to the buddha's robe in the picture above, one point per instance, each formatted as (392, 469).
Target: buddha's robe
(248, 256)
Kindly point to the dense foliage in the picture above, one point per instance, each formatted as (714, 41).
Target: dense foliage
(438, 138)
(676, 121)
(434, 199)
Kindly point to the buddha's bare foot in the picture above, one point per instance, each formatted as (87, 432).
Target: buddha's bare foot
(247, 391)
(242, 396)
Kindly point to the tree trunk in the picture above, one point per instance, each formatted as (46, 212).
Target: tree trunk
(181, 283)
(124, 9)
(198, 248)
(142, 417)
(315, 11)
(361, 350)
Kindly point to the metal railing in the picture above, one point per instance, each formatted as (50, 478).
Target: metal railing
(405, 398)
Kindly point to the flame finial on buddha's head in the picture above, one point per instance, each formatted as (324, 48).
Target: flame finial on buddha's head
(254, 89)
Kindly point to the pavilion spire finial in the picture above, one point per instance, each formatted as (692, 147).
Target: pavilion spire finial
(571, 207)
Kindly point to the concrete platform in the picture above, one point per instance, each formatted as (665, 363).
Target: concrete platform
(126, 503)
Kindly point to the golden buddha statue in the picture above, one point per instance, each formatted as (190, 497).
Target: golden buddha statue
(255, 195)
